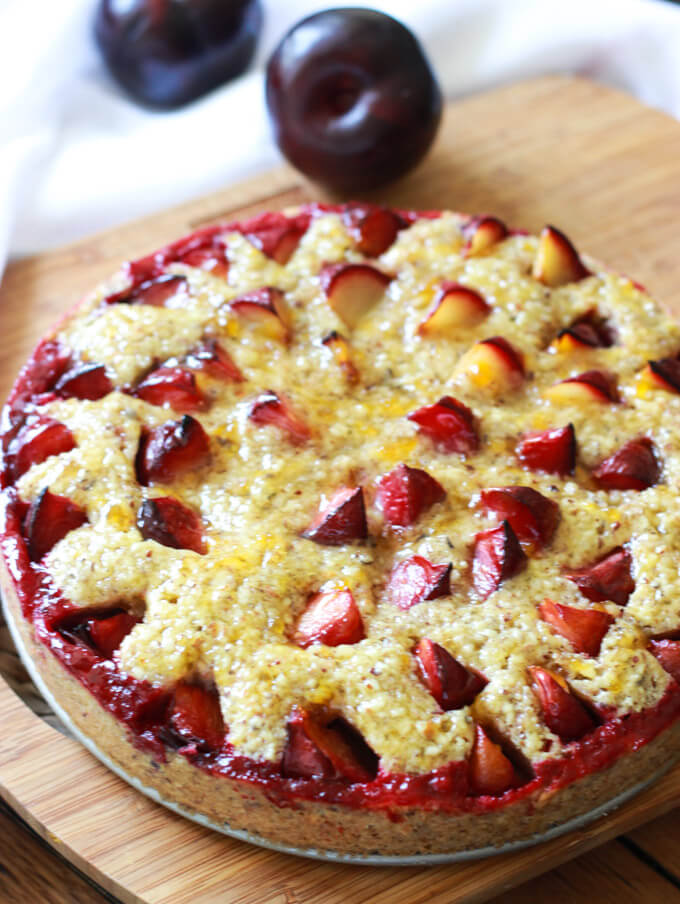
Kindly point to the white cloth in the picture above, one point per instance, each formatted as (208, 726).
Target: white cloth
(77, 156)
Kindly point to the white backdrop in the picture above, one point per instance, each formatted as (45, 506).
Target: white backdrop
(77, 156)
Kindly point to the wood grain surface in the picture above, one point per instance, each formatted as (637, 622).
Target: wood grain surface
(601, 167)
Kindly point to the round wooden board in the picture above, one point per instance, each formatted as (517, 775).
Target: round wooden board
(608, 170)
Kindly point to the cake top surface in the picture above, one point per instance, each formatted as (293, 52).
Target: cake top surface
(324, 373)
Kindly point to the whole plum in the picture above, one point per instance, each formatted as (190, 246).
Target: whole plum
(165, 53)
(352, 98)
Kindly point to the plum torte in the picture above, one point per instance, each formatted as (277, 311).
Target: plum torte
(356, 529)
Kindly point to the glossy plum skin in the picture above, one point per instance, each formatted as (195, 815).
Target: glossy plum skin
(166, 53)
(352, 98)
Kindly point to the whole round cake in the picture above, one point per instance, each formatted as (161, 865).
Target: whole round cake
(357, 529)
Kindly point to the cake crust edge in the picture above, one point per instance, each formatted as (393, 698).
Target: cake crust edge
(236, 805)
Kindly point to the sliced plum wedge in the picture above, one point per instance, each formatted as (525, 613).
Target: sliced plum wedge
(557, 262)
(108, 632)
(373, 228)
(455, 307)
(552, 451)
(405, 493)
(608, 578)
(353, 289)
(497, 556)
(266, 310)
(490, 770)
(171, 449)
(563, 713)
(634, 466)
(661, 374)
(450, 683)
(482, 233)
(39, 439)
(449, 424)
(84, 381)
(172, 387)
(49, 518)
(331, 617)
(171, 523)
(668, 653)
(417, 579)
(321, 744)
(215, 360)
(157, 292)
(342, 520)
(272, 410)
(196, 717)
(583, 628)
(276, 235)
(532, 516)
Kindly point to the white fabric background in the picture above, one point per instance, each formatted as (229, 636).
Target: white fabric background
(77, 156)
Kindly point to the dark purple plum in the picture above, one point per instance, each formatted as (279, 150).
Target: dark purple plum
(165, 53)
(352, 98)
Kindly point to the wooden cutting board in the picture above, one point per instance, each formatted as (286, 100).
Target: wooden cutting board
(593, 161)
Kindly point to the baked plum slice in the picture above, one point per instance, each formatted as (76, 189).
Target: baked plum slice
(497, 556)
(331, 617)
(455, 307)
(609, 578)
(662, 374)
(373, 228)
(215, 360)
(405, 493)
(48, 519)
(272, 410)
(195, 249)
(557, 261)
(493, 365)
(668, 653)
(171, 449)
(321, 745)
(276, 235)
(450, 683)
(587, 331)
(38, 439)
(172, 387)
(84, 381)
(353, 289)
(212, 258)
(552, 451)
(632, 467)
(591, 386)
(583, 628)
(171, 523)
(449, 424)
(489, 769)
(417, 579)
(266, 309)
(302, 757)
(98, 630)
(107, 633)
(563, 713)
(342, 520)
(481, 234)
(532, 516)
(196, 717)
(157, 292)
(34, 385)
